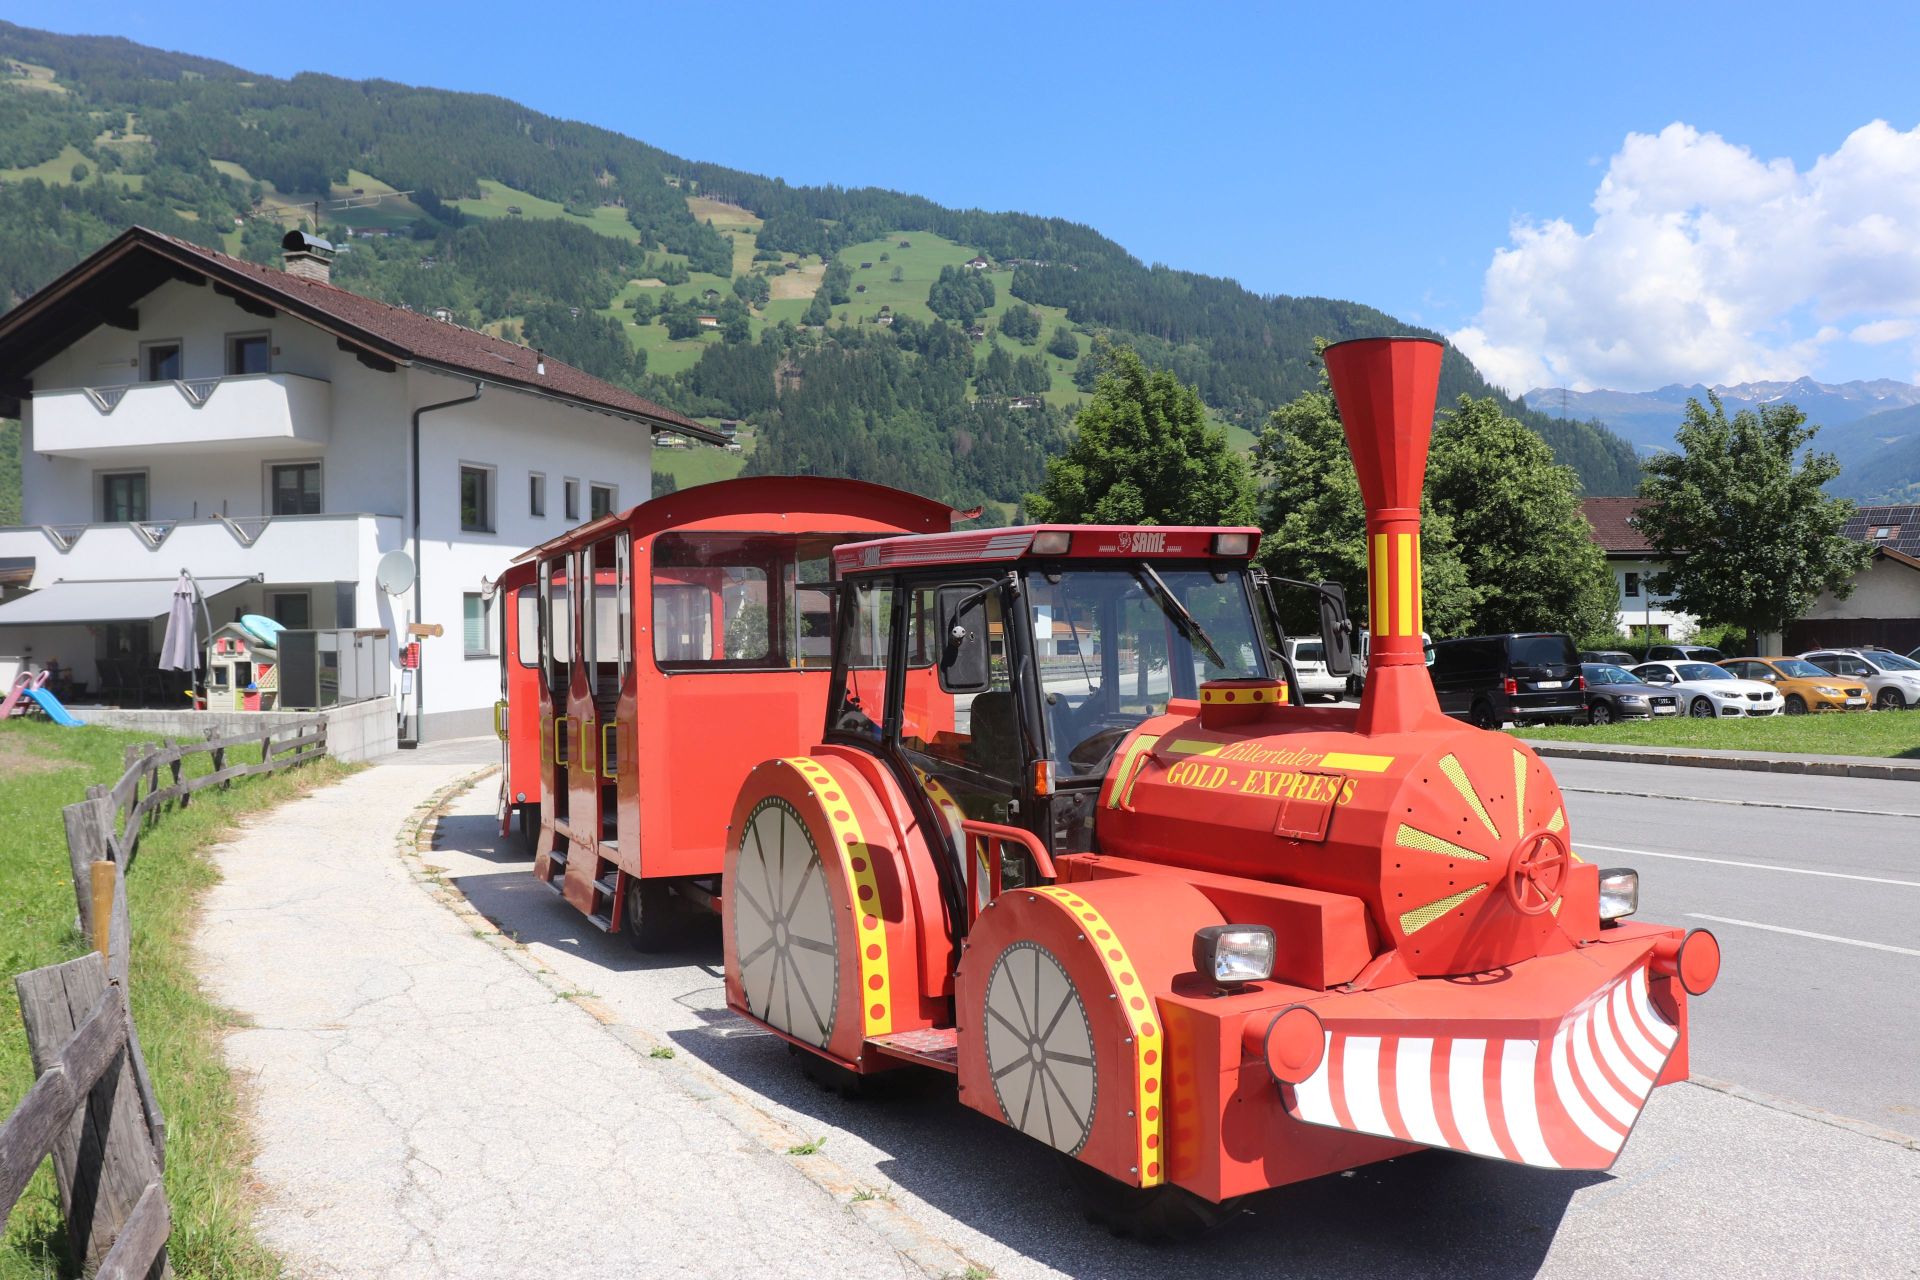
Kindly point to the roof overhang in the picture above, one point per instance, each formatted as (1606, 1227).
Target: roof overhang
(71, 601)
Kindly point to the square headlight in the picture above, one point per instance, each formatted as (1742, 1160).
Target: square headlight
(1619, 893)
(1234, 953)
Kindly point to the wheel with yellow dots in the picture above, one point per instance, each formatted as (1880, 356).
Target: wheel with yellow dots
(810, 904)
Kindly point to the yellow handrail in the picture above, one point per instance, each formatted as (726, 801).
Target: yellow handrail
(560, 724)
(609, 765)
(500, 719)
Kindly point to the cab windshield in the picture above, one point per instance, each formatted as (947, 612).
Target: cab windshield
(1111, 646)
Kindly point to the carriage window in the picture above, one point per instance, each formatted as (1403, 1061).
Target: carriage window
(744, 601)
(526, 608)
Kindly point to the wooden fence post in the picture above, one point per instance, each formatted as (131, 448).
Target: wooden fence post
(104, 1161)
(217, 758)
(89, 839)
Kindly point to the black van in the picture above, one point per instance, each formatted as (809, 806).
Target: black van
(1489, 680)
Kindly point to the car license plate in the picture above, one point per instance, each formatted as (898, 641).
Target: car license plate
(1856, 702)
(1668, 710)
(1547, 684)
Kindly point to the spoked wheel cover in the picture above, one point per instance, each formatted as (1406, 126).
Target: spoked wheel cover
(1040, 1048)
(785, 933)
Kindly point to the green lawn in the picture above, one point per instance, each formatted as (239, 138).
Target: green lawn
(57, 172)
(1886, 734)
(497, 196)
(45, 768)
(700, 464)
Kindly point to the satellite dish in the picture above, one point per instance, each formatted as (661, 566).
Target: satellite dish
(395, 572)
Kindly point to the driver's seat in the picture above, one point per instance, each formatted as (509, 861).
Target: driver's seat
(995, 745)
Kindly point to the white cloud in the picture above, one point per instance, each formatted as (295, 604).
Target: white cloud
(1705, 263)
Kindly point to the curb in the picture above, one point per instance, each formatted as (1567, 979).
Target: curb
(908, 1237)
(1775, 1102)
(1823, 766)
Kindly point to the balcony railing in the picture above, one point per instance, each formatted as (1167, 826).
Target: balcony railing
(261, 410)
(322, 548)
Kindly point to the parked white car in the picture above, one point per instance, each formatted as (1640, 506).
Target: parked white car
(1893, 682)
(1309, 659)
(1357, 681)
(1707, 691)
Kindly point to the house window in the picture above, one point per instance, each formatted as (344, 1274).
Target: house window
(476, 500)
(123, 496)
(249, 353)
(478, 635)
(160, 361)
(291, 609)
(1886, 532)
(536, 495)
(572, 490)
(293, 489)
(600, 496)
(1633, 586)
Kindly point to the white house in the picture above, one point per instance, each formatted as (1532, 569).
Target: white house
(1884, 605)
(276, 435)
(1630, 556)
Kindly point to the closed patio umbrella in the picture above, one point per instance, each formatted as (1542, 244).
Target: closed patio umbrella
(178, 651)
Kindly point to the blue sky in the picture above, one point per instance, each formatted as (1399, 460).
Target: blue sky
(1381, 153)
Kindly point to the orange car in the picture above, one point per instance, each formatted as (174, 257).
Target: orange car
(1802, 685)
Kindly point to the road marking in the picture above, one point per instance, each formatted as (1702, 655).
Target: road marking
(1744, 804)
(1757, 866)
(1802, 933)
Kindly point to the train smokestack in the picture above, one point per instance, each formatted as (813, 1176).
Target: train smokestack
(1386, 388)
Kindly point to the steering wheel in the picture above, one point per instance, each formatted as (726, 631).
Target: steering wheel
(1091, 753)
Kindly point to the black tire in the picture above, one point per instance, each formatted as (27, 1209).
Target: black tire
(1888, 700)
(529, 833)
(654, 920)
(1165, 1214)
(1796, 705)
(1482, 717)
(829, 1076)
(1600, 713)
(1700, 709)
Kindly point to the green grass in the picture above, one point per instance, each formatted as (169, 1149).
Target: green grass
(699, 464)
(47, 768)
(495, 197)
(57, 172)
(1881, 734)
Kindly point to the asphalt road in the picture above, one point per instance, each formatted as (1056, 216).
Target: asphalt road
(1712, 1183)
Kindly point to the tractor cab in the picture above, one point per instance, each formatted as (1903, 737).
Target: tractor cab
(1048, 647)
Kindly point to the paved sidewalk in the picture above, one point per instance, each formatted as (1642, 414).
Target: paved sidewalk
(425, 1107)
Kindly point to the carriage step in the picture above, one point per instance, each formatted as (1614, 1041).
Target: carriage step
(934, 1047)
(603, 923)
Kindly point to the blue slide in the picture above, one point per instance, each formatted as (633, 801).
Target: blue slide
(51, 705)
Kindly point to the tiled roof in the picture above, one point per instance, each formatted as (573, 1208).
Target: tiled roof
(1611, 530)
(387, 331)
(1903, 519)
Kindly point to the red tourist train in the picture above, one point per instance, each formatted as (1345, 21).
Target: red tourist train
(1065, 835)
(631, 711)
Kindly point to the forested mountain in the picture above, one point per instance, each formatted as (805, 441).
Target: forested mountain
(844, 325)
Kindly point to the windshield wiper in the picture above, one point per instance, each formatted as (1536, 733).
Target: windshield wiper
(1171, 606)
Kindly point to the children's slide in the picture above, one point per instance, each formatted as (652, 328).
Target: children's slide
(21, 683)
(51, 705)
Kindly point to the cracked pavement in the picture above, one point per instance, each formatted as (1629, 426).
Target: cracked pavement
(424, 1106)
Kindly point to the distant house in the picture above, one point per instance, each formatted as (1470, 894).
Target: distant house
(978, 263)
(866, 266)
(885, 316)
(1024, 402)
(709, 322)
(513, 210)
(976, 331)
(906, 244)
(710, 295)
(1884, 607)
(668, 441)
(859, 288)
(1631, 558)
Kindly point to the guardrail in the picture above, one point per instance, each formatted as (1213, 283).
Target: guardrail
(92, 1107)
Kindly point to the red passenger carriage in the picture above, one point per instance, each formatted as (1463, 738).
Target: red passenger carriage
(702, 647)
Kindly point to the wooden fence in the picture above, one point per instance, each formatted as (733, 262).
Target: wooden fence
(92, 1107)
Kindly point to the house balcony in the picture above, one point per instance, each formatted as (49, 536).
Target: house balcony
(262, 412)
(320, 548)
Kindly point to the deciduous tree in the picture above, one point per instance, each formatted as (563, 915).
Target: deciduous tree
(1740, 517)
(1144, 453)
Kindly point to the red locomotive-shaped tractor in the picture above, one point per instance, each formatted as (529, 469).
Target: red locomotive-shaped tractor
(1147, 910)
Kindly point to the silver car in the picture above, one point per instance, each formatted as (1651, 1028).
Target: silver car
(1893, 682)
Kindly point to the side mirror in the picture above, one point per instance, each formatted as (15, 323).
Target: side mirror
(964, 664)
(1336, 632)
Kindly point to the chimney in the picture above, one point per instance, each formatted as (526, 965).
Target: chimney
(1386, 388)
(308, 257)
